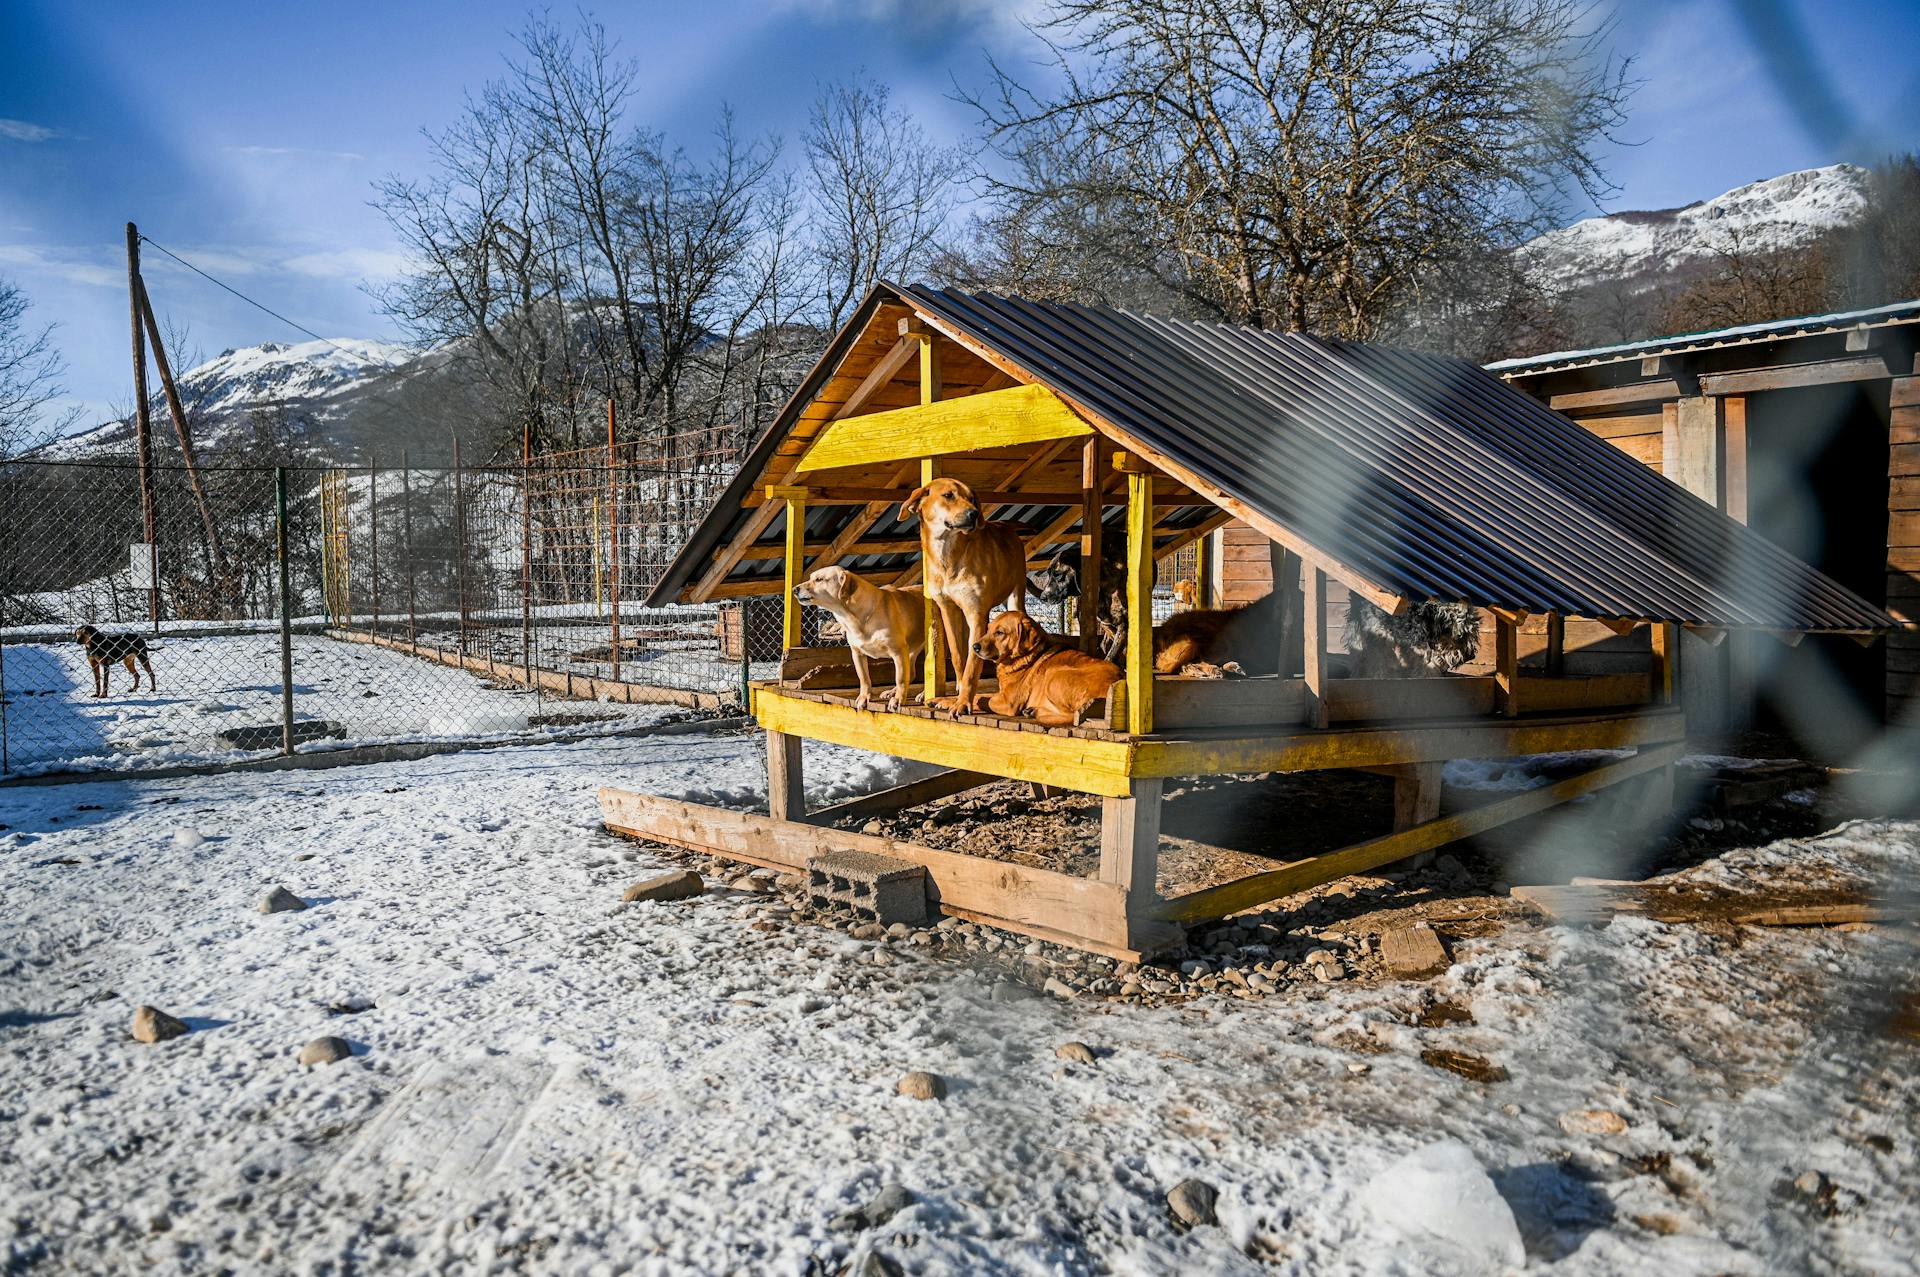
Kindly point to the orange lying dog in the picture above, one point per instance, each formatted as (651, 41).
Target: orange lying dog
(1246, 638)
(1040, 676)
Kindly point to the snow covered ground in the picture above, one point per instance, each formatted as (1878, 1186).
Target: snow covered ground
(213, 684)
(544, 1080)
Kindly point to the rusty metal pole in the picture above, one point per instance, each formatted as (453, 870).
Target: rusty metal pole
(142, 427)
(406, 550)
(460, 544)
(526, 555)
(613, 535)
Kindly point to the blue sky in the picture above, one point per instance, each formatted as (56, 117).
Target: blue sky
(245, 135)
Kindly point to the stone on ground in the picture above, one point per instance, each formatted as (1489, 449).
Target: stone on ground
(1075, 1052)
(673, 886)
(280, 900)
(1592, 1122)
(151, 1024)
(919, 1085)
(1440, 1199)
(328, 1050)
(1192, 1202)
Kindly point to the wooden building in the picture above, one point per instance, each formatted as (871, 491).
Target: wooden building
(1808, 431)
(1398, 477)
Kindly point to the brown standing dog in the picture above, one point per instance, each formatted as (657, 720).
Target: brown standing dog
(881, 621)
(105, 649)
(1040, 676)
(969, 565)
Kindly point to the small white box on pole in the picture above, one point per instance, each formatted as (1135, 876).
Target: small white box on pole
(143, 565)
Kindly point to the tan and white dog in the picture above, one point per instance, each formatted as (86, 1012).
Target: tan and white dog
(880, 620)
(969, 565)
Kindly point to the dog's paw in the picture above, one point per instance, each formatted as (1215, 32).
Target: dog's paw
(862, 701)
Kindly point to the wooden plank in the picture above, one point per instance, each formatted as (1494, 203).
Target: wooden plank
(1139, 658)
(556, 682)
(1416, 794)
(1506, 666)
(993, 419)
(1613, 396)
(1259, 889)
(1226, 702)
(1904, 392)
(1130, 845)
(1229, 753)
(1788, 376)
(1018, 897)
(786, 778)
(796, 563)
(1395, 699)
(1413, 952)
(724, 561)
(1089, 766)
(912, 794)
(1689, 902)
(1314, 669)
(1615, 427)
(1648, 450)
(1093, 481)
(1581, 692)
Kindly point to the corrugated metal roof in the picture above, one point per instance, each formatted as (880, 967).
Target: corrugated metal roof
(1907, 312)
(1425, 476)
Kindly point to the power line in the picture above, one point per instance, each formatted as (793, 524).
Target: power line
(267, 309)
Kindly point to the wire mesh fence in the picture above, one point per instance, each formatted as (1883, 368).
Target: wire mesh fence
(416, 604)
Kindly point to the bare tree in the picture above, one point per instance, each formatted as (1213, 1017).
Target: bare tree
(879, 196)
(1310, 164)
(30, 373)
(1750, 283)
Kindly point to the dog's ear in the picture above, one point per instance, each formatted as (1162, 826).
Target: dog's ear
(910, 508)
(1030, 637)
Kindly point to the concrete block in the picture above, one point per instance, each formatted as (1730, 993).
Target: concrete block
(873, 886)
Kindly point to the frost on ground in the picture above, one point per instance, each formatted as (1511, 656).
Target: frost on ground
(210, 685)
(544, 1080)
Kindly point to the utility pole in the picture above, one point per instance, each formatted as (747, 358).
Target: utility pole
(142, 434)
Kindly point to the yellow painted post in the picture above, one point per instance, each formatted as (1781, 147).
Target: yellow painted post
(929, 471)
(1139, 669)
(796, 558)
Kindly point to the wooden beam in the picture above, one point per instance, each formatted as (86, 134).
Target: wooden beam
(1416, 794)
(994, 419)
(1556, 644)
(707, 587)
(1082, 912)
(1284, 566)
(786, 777)
(839, 495)
(1825, 372)
(1666, 650)
(1506, 665)
(935, 657)
(899, 797)
(1139, 667)
(1609, 396)
(1093, 481)
(1130, 845)
(1315, 670)
(1258, 889)
(795, 559)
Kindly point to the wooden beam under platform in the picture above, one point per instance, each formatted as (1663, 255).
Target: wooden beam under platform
(899, 797)
(1302, 875)
(1080, 912)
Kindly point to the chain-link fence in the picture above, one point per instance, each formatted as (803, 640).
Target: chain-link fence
(419, 604)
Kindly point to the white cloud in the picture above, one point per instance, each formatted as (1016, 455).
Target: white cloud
(349, 263)
(283, 152)
(75, 266)
(26, 131)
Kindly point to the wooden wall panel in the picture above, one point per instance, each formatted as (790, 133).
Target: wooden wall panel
(1903, 548)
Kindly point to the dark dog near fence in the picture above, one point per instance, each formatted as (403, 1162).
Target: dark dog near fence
(1060, 581)
(103, 650)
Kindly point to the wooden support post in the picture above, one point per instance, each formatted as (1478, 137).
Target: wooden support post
(1416, 794)
(143, 426)
(1139, 667)
(935, 660)
(1285, 567)
(786, 776)
(1203, 572)
(1130, 845)
(225, 585)
(1556, 645)
(1092, 481)
(1666, 652)
(1315, 645)
(795, 560)
(1506, 664)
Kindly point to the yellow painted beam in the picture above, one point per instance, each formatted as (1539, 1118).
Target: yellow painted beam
(1087, 766)
(1139, 669)
(992, 419)
(796, 563)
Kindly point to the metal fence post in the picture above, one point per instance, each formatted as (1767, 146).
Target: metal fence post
(460, 543)
(406, 547)
(373, 522)
(613, 543)
(286, 609)
(526, 559)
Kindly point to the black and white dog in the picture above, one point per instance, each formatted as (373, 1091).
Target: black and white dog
(1426, 639)
(1060, 580)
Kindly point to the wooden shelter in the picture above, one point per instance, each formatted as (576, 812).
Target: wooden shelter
(1402, 477)
(1806, 429)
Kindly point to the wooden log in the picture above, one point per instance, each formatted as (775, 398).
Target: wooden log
(1258, 889)
(1314, 584)
(1683, 902)
(786, 777)
(898, 797)
(1416, 794)
(1130, 844)
(1083, 912)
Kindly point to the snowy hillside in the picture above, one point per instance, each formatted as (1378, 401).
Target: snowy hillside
(1781, 212)
(276, 372)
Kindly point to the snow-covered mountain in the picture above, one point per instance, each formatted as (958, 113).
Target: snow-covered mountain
(1779, 213)
(275, 372)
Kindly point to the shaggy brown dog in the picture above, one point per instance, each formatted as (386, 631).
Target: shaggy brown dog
(1247, 638)
(1040, 676)
(969, 565)
(103, 650)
